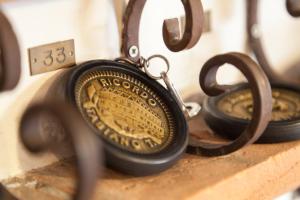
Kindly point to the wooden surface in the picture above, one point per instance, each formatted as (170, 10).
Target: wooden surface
(256, 172)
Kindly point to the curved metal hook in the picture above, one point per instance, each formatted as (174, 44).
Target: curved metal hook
(261, 91)
(293, 7)
(10, 58)
(9, 70)
(84, 142)
(171, 31)
(253, 31)
(254, 38)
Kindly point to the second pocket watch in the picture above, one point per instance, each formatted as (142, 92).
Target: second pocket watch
(235, 109)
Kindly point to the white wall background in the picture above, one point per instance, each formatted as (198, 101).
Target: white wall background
(92, 24)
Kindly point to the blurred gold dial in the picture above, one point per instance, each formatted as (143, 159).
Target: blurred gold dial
(286, 104)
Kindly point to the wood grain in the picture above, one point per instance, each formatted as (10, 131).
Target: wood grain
(256, 172)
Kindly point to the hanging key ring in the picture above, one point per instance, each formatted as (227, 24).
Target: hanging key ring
(146, 64)
(190, 109)
(171, 31)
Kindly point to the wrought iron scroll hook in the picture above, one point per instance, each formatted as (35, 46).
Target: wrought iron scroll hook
(254, 34)
(10, 59)
(171, 30)
(254, 37)
(261, 92)
(62, 116)
(9, 70)
(293, 7)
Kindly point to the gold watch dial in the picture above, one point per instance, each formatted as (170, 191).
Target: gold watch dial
(125, 111)
(286, 104)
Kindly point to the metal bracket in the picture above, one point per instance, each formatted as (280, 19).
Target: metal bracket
(171, 28)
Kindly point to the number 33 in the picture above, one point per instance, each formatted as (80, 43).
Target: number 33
(60, 58)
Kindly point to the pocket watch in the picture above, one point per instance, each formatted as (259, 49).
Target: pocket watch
(230, 113)
(142, 126)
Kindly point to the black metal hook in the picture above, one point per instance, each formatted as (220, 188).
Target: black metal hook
(84, 142)
(171, 31)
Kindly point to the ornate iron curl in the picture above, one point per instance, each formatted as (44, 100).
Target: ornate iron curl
(171, 30)
(293, 7)
(254, 38)
(261, 91)
(10, 59)
(86, 146)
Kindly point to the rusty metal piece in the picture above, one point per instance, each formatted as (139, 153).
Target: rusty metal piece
(10, 61)
(171, 29)
(293, 7)
(254, 37)
(262, 109)
(87, 149)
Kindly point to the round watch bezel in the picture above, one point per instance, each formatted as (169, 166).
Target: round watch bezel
(126, 161)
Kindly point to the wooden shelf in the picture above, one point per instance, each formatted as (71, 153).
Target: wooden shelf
(255, 172)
